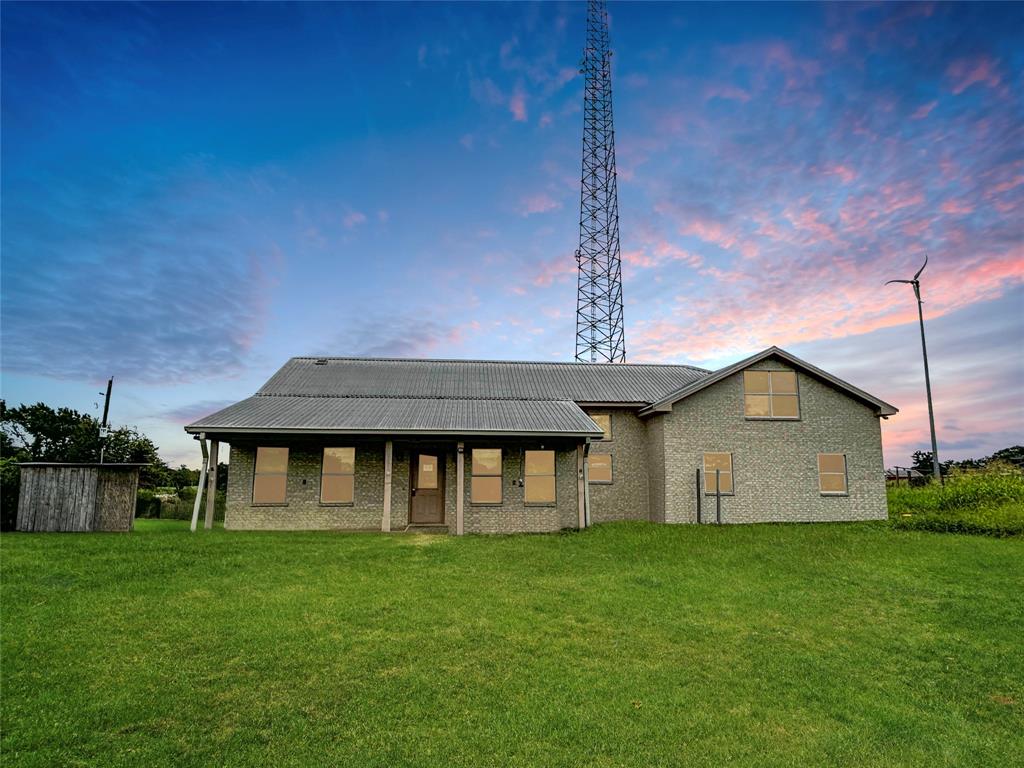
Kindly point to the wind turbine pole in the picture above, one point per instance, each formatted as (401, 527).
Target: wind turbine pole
(928, 384)
(916, 283)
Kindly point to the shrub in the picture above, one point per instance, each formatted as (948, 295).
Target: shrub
(988, 501)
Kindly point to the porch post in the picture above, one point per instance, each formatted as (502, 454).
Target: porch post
(460, 488)
(211, 484)
(385, 523)
(581, 498)
(202, 482)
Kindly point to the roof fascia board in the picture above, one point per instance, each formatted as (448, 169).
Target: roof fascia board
(317, 431)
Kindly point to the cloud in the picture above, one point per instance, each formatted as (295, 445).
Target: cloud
(353, 219)
(153, 281)
(924, 110)
(409, 335)
(538, 203)
(517, 104)
(965, 72)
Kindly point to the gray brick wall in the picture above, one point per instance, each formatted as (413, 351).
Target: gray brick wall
(303, 510)
(514, 515)
(626, 497)
(775, 462)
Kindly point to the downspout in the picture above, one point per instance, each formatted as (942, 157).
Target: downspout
(586, 484)
(202, 481)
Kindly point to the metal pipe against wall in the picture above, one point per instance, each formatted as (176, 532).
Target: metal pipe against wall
(718, 496)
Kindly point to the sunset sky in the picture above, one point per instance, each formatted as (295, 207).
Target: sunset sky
(193, 193)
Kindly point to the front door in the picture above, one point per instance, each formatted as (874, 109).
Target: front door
(427, 502)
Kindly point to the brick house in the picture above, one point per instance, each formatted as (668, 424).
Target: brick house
(504, 447)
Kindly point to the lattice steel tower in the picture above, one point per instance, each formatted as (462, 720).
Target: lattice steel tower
(599, 331)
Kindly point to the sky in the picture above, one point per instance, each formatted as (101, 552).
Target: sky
(193, 193)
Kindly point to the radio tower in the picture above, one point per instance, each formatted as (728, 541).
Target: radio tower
(599, 333)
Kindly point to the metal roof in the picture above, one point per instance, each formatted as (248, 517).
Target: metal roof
(480, 379)
(354, 415)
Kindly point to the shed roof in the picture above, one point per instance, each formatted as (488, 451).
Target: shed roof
(356, 415)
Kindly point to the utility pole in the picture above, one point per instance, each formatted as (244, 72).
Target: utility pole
(916, 283)
(599, 324)
(104, 426)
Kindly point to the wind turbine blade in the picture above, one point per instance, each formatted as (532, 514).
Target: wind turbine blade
(898, 281)
(922, 267)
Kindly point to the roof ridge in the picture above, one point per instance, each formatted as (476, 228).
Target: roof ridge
(638, 403)
(479, 360)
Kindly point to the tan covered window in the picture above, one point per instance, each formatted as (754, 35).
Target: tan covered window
(539, 477)
(600, 467)
(604, 421)
(718, 465)
(337, 480)
(270, 482)
(770, 395)
(832, 473)
(485, 483)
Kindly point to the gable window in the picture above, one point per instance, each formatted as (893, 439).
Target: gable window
(600, 468)
(337, 478)
(832, 473)
(604, 421)
(770, 395)
(539, 477)
(485, 483)
(270, 481)
(718, 468)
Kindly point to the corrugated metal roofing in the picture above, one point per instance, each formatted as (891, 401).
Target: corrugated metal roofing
(397, 415)
(483, 379)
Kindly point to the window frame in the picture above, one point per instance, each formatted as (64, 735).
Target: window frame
(256, 474)
(611, 470)
(501, 478)
(771, 395)
(732, 472)
(845, 474)
(554, 477)
(608, 436)
(323, 474)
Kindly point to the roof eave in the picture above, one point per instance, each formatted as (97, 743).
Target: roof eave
(299, 431)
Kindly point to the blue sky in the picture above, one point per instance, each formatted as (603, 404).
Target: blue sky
(192, 193)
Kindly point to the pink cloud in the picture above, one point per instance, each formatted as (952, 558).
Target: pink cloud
(545, 120)
(845, 173)
(963, 73)
(957, 207)
(353, 219)
(924, 110)
(726, 91)
(517, 104)
(539, 203)
(834, 298)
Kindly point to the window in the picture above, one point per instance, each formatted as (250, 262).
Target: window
(485, 483)
(770, 395)
(719, 464)
(337, 480)
(600, 468)
(270, 483)
(604, 421)
(539, 477)
(832, 473)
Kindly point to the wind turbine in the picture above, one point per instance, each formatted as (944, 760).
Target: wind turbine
(914, 281)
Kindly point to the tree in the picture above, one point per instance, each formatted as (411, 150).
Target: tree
(41, 433)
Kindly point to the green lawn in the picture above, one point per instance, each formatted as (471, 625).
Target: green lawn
(628, 644)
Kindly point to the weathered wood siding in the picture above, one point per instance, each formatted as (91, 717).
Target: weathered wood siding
(76, 498)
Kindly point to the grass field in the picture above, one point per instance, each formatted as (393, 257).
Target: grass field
(627, 644)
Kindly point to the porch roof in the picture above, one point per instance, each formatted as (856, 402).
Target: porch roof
(296, 414)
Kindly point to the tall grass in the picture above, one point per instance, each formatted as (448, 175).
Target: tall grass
(988, 501)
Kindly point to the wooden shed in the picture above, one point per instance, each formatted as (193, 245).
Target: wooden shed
(77, 496)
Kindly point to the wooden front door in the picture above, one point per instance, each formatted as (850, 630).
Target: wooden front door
(426, 504)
